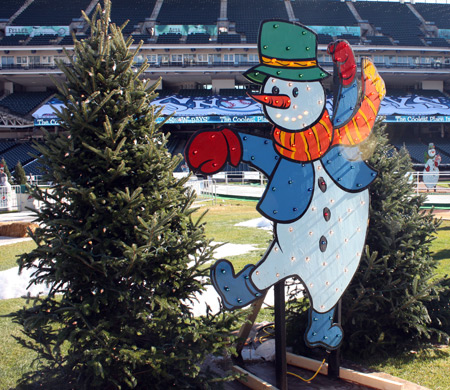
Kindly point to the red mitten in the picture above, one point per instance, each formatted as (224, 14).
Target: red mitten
(342, 54)
(208, 151)
(427, 169)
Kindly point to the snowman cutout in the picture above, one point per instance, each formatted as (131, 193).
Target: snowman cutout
(316, 195)
(431, 170)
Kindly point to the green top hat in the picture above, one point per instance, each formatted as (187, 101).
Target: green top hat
(287, 51)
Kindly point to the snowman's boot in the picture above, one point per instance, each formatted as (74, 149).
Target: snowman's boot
(235, 290)
(322, 331)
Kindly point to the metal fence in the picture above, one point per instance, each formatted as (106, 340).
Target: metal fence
(436, 182)
(9, 198)
(204, 189)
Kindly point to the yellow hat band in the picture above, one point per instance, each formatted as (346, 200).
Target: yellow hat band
(288, 63)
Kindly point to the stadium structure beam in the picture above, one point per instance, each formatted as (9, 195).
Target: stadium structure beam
(8, 121)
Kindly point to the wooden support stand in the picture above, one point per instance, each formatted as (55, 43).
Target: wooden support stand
(369, 380)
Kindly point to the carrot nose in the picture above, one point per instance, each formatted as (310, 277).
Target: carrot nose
(276, 101)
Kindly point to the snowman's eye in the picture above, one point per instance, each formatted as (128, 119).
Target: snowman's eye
(275, 90)
(295, 92)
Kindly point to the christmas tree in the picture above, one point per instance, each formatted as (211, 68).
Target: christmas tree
(387, 305)
(6, 170)
(20, 176)
(117, 241)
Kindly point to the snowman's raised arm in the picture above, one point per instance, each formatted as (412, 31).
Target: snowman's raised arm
(342, 55)
(363, 114)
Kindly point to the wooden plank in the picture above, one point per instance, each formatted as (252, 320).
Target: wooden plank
(306, 363)
(247, 327)
(370, 380)
(347, 374)
(252, 381)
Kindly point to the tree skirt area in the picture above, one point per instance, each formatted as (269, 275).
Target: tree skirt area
(258, 358)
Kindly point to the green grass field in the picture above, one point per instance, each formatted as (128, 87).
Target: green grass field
(428, 367)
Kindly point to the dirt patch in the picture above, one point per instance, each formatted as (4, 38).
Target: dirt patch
(17, 229)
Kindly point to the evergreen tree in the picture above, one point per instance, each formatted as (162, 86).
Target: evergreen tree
(6, 170)
(117, 241)
(20, 177)
(386, 305)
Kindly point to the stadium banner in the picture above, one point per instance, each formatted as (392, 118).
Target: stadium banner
(228, 109)
(188, 119)
(444, 33)
(417, 119)
(415, 105)
(35, 31)
(185, 29)
(336, 31)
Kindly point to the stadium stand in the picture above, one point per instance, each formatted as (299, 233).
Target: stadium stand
(50, 13)
(247, 23)
(23, 102)
(228, 38)
(198, 38)
(379, 40)
(323, 13)
(204, 12)
(394, 19)
(170, 38)
(135, 12)
(20, 152)
(9, 8)
(439, 14)
(33, 168)
(5, 145)
(13, 40)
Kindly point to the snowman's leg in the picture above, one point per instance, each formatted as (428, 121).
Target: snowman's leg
(322, 331)
(236, 290)
(272, 268)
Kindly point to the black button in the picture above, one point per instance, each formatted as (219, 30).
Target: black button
(322, 184)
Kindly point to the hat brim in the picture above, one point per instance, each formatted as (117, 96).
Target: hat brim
(259, 73)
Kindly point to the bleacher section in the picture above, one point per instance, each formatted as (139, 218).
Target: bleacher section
(9, 8)
(248, 15)
(135, 11)
(437, 42)
(50, 12)
(170, 38)
(415, 148)
(5, 145)
(23, 102)
(195, 92)
(233, 92)
(437, 13)
(42, 40)
(394, 19)
(14, 40)
(204, 12)
(323, 13)
(198, 38)
(33, 168)
(20, 152)
(378, 40)
(228, 38)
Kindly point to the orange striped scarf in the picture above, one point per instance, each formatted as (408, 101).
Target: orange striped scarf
(312, 143)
